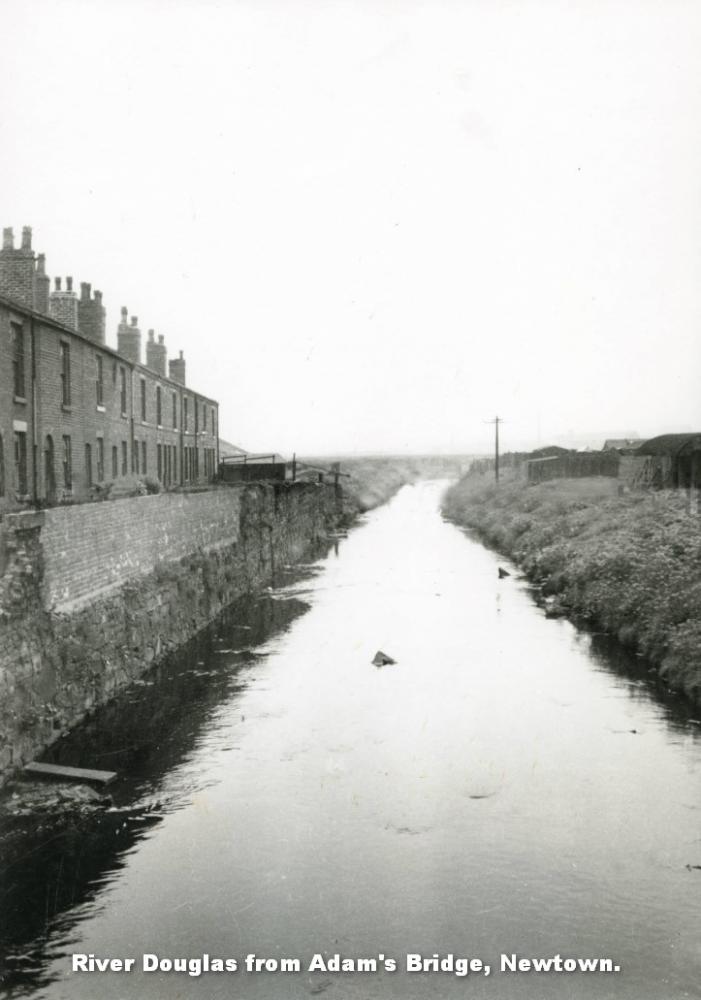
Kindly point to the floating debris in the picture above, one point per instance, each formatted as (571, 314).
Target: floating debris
(381, 659)
(81, 774)
(503, 573)
(42, 798)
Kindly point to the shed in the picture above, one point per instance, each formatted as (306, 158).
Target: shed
(677, 458)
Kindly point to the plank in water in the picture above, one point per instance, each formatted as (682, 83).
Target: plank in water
(71, 773)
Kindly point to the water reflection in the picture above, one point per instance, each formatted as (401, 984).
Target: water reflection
(56, 862)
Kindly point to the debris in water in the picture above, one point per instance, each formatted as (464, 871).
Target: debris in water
(381, 659)
(80, 774)
(691, 868)
(503, 573)
(38, 798)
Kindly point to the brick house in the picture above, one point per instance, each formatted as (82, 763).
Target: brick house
(76, 413)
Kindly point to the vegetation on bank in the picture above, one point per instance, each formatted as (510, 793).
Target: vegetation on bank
(374, 480)
(628, 564)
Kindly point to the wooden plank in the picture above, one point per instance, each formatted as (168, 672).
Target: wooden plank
(70, 773)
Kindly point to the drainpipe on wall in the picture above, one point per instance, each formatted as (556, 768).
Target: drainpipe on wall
(32, 338)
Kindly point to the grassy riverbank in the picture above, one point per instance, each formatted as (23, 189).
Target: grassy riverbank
(629, 564)
(374, 480)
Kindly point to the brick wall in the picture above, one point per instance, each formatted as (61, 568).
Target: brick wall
(188, 449)
(93, 548)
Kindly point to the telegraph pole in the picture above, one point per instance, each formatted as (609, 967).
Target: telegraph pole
(496, 422)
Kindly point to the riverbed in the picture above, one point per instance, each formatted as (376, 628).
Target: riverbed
(511, 785)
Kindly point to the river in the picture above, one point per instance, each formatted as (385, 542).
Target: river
(511, 785)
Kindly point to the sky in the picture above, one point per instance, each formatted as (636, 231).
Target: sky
(372, 226)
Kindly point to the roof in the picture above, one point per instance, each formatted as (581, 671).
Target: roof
(550, 451)
(670, 444)
(226, 448)
(619, 443)
(19, 307)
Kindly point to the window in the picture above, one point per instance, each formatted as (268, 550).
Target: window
(143, 458)
(175, 412)
(2, 469)
(99, 381)
(143, 400)
(204, 417)
(123, 390)
(115, 461)
(21, 462)
(18, 359)
(196, 412)
(185, 414)
(125, 466)
(159, 462)
(213, 424)
(159, 406)
(88, 465)
(100, 460)
(65, 373)
(67, 463)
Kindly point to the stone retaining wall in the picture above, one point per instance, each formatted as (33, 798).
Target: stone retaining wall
(93, 595)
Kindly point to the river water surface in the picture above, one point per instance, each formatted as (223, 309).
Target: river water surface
(509, 786)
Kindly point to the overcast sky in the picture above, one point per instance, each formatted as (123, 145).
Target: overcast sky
(373, 225)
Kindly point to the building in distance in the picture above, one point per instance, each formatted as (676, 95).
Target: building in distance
(77, 414)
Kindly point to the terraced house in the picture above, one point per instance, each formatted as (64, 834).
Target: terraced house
(75, 413)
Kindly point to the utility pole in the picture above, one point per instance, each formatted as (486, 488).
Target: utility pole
(496, 422)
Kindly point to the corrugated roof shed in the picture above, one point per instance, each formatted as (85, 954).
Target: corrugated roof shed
(670, 444)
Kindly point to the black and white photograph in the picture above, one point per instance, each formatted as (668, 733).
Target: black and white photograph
(350, 521)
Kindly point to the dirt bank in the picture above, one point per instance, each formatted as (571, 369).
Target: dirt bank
(630, 564)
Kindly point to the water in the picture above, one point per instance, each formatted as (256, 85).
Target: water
(282, 796)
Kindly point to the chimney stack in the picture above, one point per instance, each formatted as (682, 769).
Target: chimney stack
(129, 338)
(176, 367)
(63, 305)
(156, 354)
(17, 267)
(91, 314)
(42, 285)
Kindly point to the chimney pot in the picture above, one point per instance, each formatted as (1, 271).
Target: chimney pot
(69, 284)
(8, 239)
(57, 282)
(124, 314)
(161, 339)
(134, 320)
(41, 264)
(181, 356)
(98, 295)
(150, 336)
(27, 238)
(84, 291)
